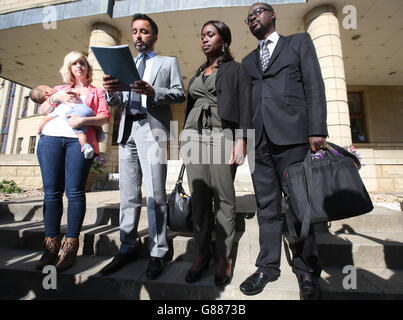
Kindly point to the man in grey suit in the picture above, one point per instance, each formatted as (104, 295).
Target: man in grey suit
(143, 136)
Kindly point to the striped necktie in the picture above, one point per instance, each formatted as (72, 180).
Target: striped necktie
(142, 65)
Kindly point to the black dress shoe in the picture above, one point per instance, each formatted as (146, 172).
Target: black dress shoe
(309, 288)
(256, 283)
(118, 262)
(155, 268)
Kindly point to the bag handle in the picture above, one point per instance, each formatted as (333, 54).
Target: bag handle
(181, 172)
(178, 183)
(346, 153)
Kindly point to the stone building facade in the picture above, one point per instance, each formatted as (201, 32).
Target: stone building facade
(363, 80)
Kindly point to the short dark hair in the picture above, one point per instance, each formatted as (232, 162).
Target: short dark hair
(141, 16)
(37, 95)
(268, 6)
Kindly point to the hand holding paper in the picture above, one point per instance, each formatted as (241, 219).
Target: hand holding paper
(111, 84)
(117, 62)
(142, 87)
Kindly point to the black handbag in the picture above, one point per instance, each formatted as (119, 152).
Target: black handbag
(179, 207)
(323, 190)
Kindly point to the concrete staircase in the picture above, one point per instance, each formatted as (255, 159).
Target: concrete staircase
(372, 243)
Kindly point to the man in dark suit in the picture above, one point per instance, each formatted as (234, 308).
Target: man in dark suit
(143, 135)
(289, 116)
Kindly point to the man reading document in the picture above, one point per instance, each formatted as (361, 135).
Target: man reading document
(143, 136)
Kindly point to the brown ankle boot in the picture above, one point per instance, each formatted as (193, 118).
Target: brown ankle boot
(69, 253)
(51, 252)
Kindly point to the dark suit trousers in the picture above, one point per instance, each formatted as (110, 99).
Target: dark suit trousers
(271, 161)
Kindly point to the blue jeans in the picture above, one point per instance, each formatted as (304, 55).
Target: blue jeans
(63, 167)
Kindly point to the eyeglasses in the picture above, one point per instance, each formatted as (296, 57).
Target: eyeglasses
(257, 12)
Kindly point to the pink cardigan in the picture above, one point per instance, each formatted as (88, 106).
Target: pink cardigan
(95, 99)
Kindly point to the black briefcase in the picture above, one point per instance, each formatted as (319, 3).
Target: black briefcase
(323, 190)
(180, 207)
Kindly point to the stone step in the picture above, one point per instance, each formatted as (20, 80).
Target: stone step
(104, 240)
(82, 281)
(20, 280)
(99, 210)
(377, 250)
(104, 210)
(379, 220)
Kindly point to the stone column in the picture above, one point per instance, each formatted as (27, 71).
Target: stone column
(322, 24)
(103, 35)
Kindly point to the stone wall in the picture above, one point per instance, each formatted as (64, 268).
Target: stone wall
(22, 168)
(383, 167)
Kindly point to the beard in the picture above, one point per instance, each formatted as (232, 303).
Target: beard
(145, 46)
(258, 30)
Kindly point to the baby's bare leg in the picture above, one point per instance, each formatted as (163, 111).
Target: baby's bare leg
(86, 148)
(82, 138)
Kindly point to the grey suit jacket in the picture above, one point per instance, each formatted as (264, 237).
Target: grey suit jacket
(166, 78)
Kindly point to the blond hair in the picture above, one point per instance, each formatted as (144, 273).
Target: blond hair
(69, 60)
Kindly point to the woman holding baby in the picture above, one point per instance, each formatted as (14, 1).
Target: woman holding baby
(63, 164)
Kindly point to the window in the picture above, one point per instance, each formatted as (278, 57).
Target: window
(32, 143)
(357, 118)
(25, 107)
(19, 145)
(37, 108)
(8, 110)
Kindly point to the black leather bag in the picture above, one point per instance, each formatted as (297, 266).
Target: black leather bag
(323, 190)
(180, 207)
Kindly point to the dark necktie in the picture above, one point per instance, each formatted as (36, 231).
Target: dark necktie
(135, 104)
(142, 65)
(265, 55)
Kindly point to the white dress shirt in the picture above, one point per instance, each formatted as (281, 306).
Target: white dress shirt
(273, 37)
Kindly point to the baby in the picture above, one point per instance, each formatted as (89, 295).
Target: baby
(42, 92)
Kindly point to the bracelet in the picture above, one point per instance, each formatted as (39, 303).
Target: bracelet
(51, 102)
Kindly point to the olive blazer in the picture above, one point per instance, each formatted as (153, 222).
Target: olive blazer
(234, 96)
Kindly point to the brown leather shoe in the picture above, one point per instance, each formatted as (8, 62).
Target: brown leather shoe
(51, 252)
(223, 273)
(199, 265)
(69, 253)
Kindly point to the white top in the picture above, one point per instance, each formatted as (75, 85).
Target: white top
(59, 127)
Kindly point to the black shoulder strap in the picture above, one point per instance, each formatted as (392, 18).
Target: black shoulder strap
(181, 172)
